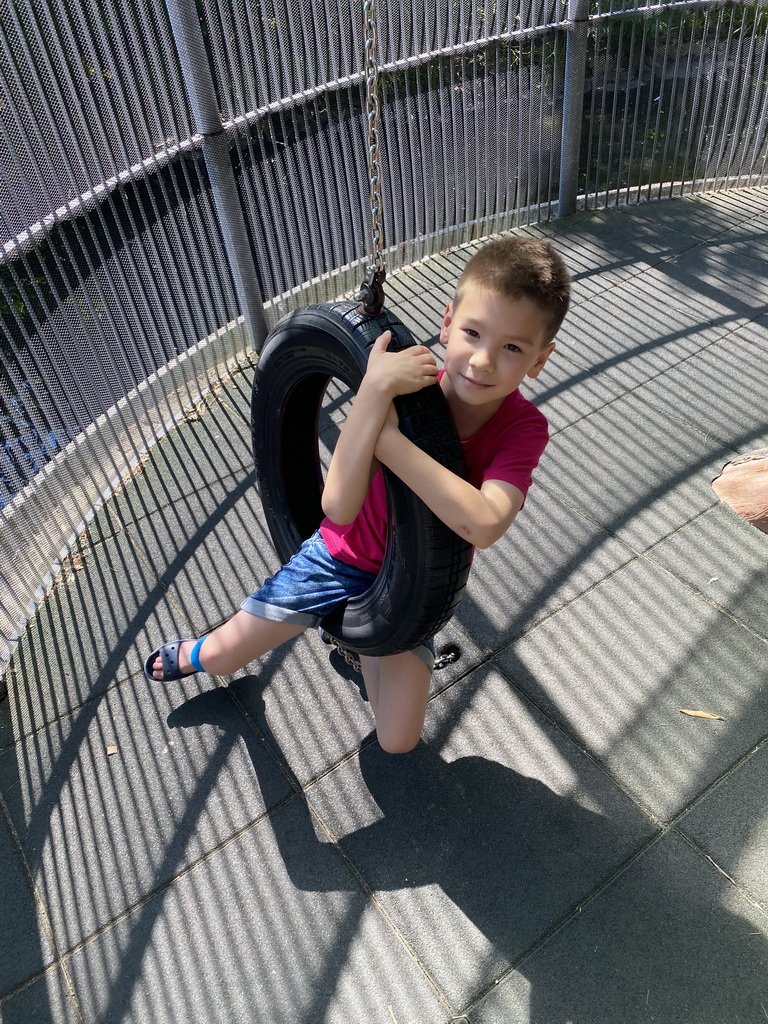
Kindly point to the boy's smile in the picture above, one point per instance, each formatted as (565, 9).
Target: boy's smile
(492, 343)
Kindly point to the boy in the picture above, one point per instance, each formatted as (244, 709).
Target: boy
(500, 328)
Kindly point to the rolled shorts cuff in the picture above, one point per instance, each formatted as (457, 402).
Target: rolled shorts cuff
(276, 614)
(424, 652)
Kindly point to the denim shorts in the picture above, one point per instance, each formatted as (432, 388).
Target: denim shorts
(310, 586)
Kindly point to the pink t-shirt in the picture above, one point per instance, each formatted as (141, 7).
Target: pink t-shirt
(508, 447)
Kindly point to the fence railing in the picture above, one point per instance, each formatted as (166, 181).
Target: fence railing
(173, 178)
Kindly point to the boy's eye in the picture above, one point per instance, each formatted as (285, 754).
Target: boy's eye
(472, 333)
(512, 347)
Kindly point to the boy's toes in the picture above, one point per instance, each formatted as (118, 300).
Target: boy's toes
(162, 666)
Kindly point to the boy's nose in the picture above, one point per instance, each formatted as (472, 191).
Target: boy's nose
(481, 359)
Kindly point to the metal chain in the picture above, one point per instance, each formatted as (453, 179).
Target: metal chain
(371, 291)
(451, 653)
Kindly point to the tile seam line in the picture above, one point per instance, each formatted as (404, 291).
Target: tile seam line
(676, 821)
(182, 496)
(674, 824)
(549, 933)
(297, 787)
(672, 827)
(670, 411)
(25, 737)
(578, 743)
(365, 742)
(56, 966)
(221, 682)
(374, 901)
(42, 919)
(627, 211)
(168, 596)
(647, 556)
(531, 626)
(743, 892)
(654, 819)
(634, 388)
(171, 882)
(653, 263)
(302, 793)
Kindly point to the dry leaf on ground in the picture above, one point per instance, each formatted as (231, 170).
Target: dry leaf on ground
(701, 714)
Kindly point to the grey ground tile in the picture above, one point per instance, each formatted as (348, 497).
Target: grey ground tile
(616, 666)
(734, 208)
(25, 948)
(273, 928)
(94, 629)
(598, 247)
(311, 715)
(483, 837)
(208, 558)
(46, 1001)
(711, 283)
(308, 703)
(699, 216)
(548, 557)
(744, 246)
(749, 239)
(725, 559)
(206, 449)
(638, 473)
(731, 824)
(566, 393)
(601, 250)
(670, 941)
(112, 803)
(632, 333)
(721, 390)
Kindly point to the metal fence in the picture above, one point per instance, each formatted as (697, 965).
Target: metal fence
(173, 178)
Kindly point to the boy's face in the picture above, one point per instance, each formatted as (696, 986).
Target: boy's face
(492, 343)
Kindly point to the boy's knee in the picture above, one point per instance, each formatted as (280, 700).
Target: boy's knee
(398, 744)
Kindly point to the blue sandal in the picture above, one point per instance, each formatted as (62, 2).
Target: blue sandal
(169, 655)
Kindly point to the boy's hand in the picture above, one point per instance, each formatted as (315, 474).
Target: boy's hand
(400, 373)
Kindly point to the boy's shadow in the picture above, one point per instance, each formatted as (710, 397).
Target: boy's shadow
(505, 848)
(513, 856)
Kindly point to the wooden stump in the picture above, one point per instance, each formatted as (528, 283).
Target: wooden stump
(743, 485)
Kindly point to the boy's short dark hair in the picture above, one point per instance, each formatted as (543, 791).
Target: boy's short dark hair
(521, 268)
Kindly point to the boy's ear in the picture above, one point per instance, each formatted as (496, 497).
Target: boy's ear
(447, 317)
(544, 355)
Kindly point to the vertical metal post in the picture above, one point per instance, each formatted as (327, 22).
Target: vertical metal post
(573, 105)
(198, 79)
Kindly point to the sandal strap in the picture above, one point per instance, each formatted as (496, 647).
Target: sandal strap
(194, 656)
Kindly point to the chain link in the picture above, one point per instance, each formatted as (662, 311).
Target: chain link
(372, 110)
(451, 653)
(372, 289)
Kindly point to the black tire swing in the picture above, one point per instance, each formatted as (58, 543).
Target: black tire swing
(426, 564)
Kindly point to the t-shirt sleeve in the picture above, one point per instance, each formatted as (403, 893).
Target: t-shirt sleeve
(518, 452)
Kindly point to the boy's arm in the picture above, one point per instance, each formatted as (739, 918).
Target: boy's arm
(479, 516)
(353, 463)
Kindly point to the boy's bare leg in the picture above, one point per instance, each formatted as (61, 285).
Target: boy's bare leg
(230, 647)
(398, 690)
